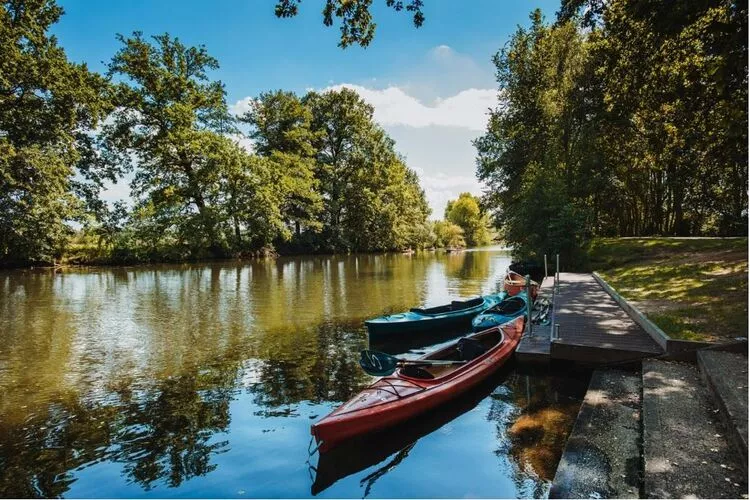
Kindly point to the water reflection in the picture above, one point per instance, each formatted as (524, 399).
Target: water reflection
(531, 414)
(200, 378)
(535, 412)
(164, 434)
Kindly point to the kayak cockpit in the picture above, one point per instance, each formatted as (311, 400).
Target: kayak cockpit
(509, 306)
(456, 305)
(465, 350)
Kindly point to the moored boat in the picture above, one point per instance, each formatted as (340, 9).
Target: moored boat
(414, 389)
(457, 313)
(359, 453)
(514, 284)
(507, 310)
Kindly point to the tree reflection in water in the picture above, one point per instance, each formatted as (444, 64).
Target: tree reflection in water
(135, 369)
(534, 413)
(165, 433)
(168, 433)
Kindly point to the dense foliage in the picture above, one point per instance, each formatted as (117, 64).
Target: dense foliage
(47, 173)
(322, 175)
(466, 212)
(623, 118)
(349, 188)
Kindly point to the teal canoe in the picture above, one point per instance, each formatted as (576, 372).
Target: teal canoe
(507, 310)
(457, 313)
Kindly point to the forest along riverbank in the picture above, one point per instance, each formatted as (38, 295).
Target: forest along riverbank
(197, 380)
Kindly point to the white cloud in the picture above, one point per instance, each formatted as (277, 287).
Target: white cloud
(433, 112)
(440, 188)
(393, 106)
(118, 191)
(243, 141)
(242, 106)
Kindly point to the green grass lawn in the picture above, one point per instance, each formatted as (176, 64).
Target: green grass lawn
(692, 288)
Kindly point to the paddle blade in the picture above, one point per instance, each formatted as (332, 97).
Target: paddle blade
(377, 363)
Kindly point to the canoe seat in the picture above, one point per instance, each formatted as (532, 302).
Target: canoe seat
(508, 307)
(416, 372)
(457, 305)
(469, 349)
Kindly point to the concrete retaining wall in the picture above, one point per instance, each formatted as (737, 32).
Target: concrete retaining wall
(682, 349)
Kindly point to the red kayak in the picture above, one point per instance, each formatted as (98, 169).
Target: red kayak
(413, 390)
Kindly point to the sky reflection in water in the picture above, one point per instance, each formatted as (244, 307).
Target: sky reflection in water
(203, 380)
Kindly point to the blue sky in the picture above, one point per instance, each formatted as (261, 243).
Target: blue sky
(430, 86)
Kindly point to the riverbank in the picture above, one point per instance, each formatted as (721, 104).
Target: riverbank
(83, 254)
(691, 288)
(109, 371)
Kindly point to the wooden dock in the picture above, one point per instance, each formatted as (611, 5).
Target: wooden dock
(535, 345)
(593, 327)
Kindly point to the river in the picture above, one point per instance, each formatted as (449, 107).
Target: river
(202, 380)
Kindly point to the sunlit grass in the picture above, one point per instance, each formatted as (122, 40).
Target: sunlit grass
(693, 289)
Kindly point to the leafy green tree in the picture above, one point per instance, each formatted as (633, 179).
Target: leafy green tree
(280, 129)
(541, 134)
(48, 106)
(252, 190)
(627, 118)
(372, 201)
(170, 118)
(449, 235)
(675, 113)
(357, 25)
(466, 213)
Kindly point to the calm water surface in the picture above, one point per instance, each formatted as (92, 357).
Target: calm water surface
(203, 380)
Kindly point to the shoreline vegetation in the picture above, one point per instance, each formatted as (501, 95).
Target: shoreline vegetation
(586, 142)
(81, 261)
(289, 173)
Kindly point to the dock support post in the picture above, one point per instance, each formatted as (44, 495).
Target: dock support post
(545, 265)
(557, 273)
(529, 304)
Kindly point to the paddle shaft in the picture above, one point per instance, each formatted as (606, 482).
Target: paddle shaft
(429, 362)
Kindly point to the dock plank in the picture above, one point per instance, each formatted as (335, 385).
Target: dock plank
(535, 346)
(591, 321)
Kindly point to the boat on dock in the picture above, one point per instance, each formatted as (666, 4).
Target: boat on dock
(515, 283)
(507, 310)
(457, 313)
(415, 387)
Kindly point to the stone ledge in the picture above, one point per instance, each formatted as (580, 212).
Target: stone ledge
(602, 457)
(725, 374)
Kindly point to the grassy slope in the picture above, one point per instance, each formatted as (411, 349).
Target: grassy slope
(694, 289)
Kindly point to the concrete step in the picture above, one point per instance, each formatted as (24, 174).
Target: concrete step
(685, 451)
(602, 456)
(725, 375)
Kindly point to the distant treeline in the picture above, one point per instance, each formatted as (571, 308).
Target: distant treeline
(622, 118)
(322, 175)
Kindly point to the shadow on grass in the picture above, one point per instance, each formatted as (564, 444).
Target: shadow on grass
(693, 289)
